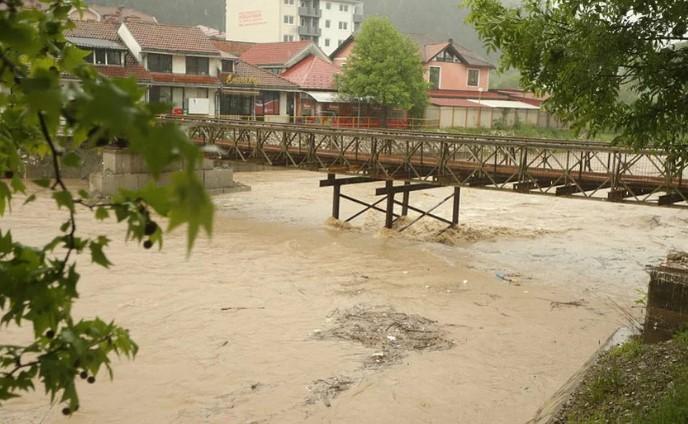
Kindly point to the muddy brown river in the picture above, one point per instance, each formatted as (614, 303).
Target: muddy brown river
(234, 334)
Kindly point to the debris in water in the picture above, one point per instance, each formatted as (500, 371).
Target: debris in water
(389, 332)
(328, 389)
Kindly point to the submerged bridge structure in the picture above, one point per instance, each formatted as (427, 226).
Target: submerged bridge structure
(425, 160)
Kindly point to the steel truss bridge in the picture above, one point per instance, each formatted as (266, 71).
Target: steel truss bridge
(422, 160)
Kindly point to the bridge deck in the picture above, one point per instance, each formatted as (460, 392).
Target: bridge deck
(585, 169)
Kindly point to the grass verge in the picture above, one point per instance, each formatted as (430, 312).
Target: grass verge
(634, 384)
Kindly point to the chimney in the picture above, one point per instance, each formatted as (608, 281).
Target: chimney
(451, 41)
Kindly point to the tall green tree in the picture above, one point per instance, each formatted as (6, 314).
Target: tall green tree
(385, 68)
(41, 116)
(583, 52)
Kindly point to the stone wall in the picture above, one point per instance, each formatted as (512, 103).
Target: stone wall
(91, 161)
(122, 169)
(667, 303)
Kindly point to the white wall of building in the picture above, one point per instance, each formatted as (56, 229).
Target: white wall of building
(129, 41)
(258, 21)
(263, 21)
(341, 23)
(178, 64)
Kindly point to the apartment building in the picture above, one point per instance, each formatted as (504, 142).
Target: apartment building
(326, 23)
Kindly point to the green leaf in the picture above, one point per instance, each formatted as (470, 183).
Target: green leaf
(64, 198)
(71, 159)
(97, 254)
(5, 197)
(44, 182)
(102, 214)
(30, 199)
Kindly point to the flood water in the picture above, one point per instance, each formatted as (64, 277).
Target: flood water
(229, 334)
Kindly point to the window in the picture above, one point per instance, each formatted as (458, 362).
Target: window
(344, 25)
(288, 19)
(268, 103)
(227, 66)
(159, 63)
(104, 57)
(343, 7)
(197, 65)
(435, 77)
(289, 2)
(100, 57)
(328, 5)
(473, 77)
(288, 38)
(327, 42)
(158, 94)
(114, 57)
(327, 23)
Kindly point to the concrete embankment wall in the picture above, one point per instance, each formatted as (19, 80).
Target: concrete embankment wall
(122, 169)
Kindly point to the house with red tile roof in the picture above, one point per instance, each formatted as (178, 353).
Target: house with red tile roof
(108, 54)
(278, 57)
(250, 90)
(317, 78)
(183, 64)
(459, 95)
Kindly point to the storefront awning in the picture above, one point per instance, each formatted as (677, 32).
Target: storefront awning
(325, 96)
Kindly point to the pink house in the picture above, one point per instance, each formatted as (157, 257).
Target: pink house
(451, 67)
(448, 66)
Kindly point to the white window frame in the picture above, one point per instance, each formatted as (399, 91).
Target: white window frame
(289, 19)
(468, 77)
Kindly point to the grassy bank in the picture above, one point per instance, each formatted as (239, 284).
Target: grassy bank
(635, 384)
(533, 132)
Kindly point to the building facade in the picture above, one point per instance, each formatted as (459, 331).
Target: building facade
(326, 23)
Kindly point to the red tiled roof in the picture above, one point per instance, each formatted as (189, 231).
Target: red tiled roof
(313, 73)
(274, 53)
(262, 78)
(184, 79)
(237, 48)
(97, 30)
(467, 94)
(171, 38)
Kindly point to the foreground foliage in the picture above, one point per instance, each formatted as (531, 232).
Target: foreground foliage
(41, 116)
(385, 69)
(585, 53)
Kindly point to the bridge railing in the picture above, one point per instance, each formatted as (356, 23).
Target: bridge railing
(580, 168)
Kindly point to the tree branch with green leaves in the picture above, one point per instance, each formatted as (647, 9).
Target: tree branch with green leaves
(44, 115)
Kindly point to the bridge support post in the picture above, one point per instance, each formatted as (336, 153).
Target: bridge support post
(405, 201)
(389, 215)
(456, 207)
(335, 201)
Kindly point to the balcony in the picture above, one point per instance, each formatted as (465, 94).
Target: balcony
(310, 12)
(310, 31)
